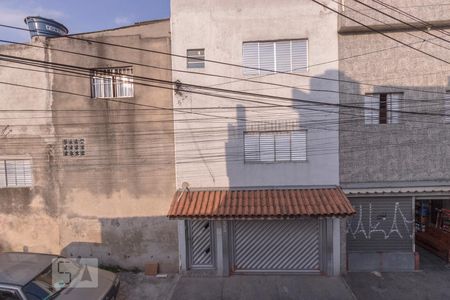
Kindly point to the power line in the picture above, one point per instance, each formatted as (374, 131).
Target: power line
(214, 61)
(180, 86)
(389, 25)
(404, 13)
(401, 21)
(380, 32)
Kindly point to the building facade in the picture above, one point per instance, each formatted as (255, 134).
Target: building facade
(257, 171)
(87, 162)
(394, 142)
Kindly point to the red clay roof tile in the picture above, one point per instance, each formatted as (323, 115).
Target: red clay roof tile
(260, 204)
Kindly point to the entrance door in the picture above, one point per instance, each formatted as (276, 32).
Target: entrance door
(276, 246)
(201, 244)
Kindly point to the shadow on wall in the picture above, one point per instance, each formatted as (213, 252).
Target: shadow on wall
(320, 122)
(130, 243)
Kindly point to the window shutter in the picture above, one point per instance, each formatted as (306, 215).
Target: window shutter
(298, 145)
(447, 107)
(27, 173)
(283, 146)
(266, 57)
(267, 147)
(11, 173)
(2, 174)
(299, 55)
(283, 56)
(251, 146)
(19, 173)
(251, 58)
(371, 111)
(394, 108)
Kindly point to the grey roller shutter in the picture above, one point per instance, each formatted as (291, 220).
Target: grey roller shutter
(381, 224)
(19, 173)
(284, 246)
(2, 174)
(267, 147)
(266, 57)
(298, 145)
(299, 55)
(251, 146)
(250, 58)
(283, 56)
(283, 146)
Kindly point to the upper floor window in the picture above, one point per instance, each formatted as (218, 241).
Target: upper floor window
(275, 56)
(16, 173)
(383, 108)
(276, 146)
(195, 58)
(112, 83)
(447, 107)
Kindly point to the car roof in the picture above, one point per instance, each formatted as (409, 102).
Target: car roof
(19, 268)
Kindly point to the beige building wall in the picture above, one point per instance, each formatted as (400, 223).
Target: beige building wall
(209, 130)
(111, 203)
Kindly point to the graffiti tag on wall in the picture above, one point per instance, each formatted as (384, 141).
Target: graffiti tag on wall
(391, 228)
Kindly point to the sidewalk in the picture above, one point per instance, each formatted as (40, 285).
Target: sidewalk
(262, 287)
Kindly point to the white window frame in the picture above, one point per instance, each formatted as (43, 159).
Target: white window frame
(195, 60)
(16, 173)
(250, 69)
(253, 152)
(120, 83)
(372, 108)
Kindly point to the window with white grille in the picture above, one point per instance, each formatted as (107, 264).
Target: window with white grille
(195, 58)
(276, 146)
(276, 56)
(447, 107)
(383, 108)
(74, 147)
(112, 83)
(16, 173)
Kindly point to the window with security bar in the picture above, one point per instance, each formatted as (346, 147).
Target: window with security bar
(16, 173)
(74, 147)
(195, 58)
(112, 83)
(275, 56)
(383, 108)
(277, 146)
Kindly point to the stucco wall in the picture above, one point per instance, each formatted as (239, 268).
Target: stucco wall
(26, 131)
(416, 149)
(112, 202)
(209, 146)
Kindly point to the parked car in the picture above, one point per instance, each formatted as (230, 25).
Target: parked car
(33, 276)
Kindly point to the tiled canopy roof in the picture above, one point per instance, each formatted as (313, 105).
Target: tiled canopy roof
(260, 204)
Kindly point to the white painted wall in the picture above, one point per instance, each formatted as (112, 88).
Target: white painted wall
(209, 152)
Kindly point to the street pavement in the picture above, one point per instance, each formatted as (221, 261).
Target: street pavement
(432, 282)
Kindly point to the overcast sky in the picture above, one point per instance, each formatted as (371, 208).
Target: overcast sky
(79, 15)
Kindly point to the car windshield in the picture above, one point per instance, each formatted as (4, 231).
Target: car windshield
(52, 280)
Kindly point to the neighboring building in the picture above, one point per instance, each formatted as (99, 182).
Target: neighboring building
(257, 186)
(390, 159)
(87, 164)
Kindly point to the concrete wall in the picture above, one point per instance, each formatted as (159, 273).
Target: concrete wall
(209, 142)
(26, 131)
(112, 202)
(416, 148)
